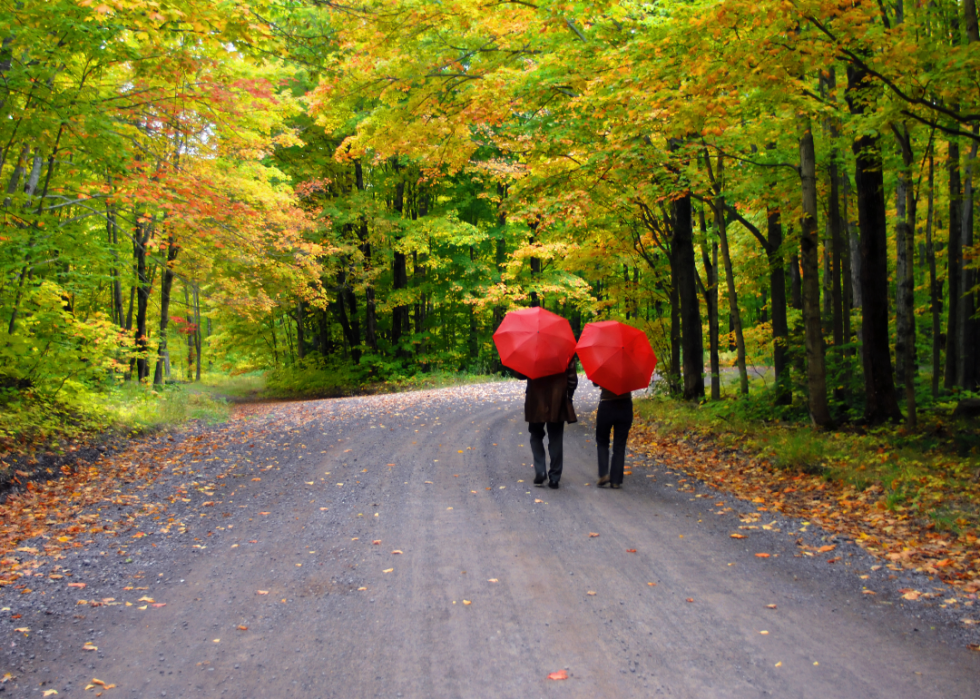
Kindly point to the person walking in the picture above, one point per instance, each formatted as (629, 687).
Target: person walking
(615, 415)
(548, 405)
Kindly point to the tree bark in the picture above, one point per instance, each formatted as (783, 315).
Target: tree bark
(809, 246)
(300, 330)
(140, 239)
(370, 305)
(935, 298)
(966, 367)
(399, 317)
(905, 273)
(880, 396)
(162, 369)
(780, 328)
(954, 257)
(711, 304)
(734, 313)
(692, 347)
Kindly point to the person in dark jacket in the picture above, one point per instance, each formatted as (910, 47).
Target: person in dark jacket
(615, 411)
(548, 405)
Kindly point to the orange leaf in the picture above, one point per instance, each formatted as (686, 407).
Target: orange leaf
(825, 549)
(762, 555)
(630, 550)
(560, 675)
(78, 585)
(690, 599)
(243, 628)
(737, 536)
(592, 535)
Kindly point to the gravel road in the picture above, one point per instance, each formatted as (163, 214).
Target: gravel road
(393, 546)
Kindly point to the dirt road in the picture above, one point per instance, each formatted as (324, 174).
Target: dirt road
(393, 546)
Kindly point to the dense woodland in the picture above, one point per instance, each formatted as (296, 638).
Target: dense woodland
(363, 189)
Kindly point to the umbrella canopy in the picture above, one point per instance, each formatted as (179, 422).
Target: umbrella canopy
(535, 342)
(616, 356)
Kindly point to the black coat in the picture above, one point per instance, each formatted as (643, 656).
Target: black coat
(549, 399)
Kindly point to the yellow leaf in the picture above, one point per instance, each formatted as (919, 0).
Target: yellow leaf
(467, 602)
(89, 646)
(388, 570)
(396, 551)
(49, 692)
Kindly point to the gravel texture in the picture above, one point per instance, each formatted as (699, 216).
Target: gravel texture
(268, 581)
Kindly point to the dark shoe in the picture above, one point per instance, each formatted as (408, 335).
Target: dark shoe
(539, 480)
(615, 486)
(553, 485)
(602, 482)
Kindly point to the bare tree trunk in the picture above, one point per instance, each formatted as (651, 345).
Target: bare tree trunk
(166, 285)
(935, 298)
(692, 346)
(734, 314)
(711, 303)
(301, 330)
(809, 244)
(905, 273)
(854, 243)
(954, 257)
(967, 350)
(881, 399)
(780, 328)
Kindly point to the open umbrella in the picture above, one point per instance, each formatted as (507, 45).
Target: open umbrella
(535, 342)
(616, 356)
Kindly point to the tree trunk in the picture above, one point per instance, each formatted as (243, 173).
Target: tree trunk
(780, 329)
(692, 347)
(197, 334)
(905, 273)
(796, 282)
(881, 399)
(954, 256)
(854, 243)
(733, 309)
(935, 298)
(162, 369)
(140, 240)
(399, 317)
(967, 350)
(370, 305)
(300, 330)
(711, 304)
(809, 245)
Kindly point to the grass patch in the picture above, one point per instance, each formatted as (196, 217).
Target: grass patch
(926, 473)
(31, 423)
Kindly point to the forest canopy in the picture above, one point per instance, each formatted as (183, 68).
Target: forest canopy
(348, 192)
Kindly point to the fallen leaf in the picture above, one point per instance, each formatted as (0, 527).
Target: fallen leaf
(99, 682)
(690, 599)
(630, 550)
(652, 584)
(89, 646)
(591, 593)
(493, 580)
(762, 555)
(592, 535)
(770, 606)
(467, 602)
(779, 664)
(825, 549)
(560, 675)
(737, 536)
(242, 628)
(388, 570)
(396, 552)
(376, 542)
(22, 629)
(80, 586)
(159, 604)
(261, 592)
(912, 595)
(361, 589)
(217, 640)
(146, 599)
(764, 633)
(49, 692)
(264, 513)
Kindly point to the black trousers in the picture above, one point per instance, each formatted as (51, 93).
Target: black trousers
(555, 432)
(616, 414)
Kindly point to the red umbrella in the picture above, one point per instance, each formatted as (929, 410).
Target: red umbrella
(616, 356)
(535, 342)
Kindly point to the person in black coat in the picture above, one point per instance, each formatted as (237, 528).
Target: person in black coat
(548, 405)
(615, 412)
